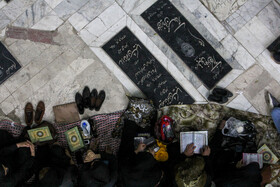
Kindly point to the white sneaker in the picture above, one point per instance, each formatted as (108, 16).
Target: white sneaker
(271, 101)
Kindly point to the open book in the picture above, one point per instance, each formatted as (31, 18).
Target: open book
(252, 157)
(199, 138)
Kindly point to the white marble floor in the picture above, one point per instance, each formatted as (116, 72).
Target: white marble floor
(239, 30)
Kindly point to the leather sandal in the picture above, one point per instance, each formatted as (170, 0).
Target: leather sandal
(100, 99)
(79, 102)
(93, 97)
(28, 113)
(39, 113)
(86, 97)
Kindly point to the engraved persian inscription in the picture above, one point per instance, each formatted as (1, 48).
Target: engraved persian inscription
(186, 42)
(8, 64)
(145, 71)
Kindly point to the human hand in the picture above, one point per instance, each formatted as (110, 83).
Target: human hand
(206, 151)
(239, 164)
(189, 149)
(91, 156)
(32, 148)
(23, 144)
(152, 151)
(141, 147)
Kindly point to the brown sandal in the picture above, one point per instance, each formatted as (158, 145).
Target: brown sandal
(39, 113)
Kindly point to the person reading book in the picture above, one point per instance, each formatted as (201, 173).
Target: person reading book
(137, 167)
(223, 168)
(17, 160)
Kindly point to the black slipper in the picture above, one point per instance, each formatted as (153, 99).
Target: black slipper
(222, 92)
(79, 102)
(217, 99)
(100, 98)
(86, 97)
(93, 98)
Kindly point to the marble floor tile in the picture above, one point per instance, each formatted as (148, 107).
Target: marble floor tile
(231, 76)
(240, 102)
(49, 22)
(96, 27)
(239, 85)
(17, 80)
(269, 64)
(2, 3)
(111, 15)
(4, 20)
(259, 101)
(253, 110)
(260, 31)
(129, 5)
(223, 9)
(210, 22)
(89, 12)
(191, 5)
(14, 9)
(67, 7)
(245, 13)
(238, 52)
(23, 93)
(4, 93)
(53, 3)
(249, 41)
(270, 17)
(33, 14)
(7, 106)
(258, 85)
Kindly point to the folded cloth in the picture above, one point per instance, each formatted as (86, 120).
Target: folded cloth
(66, 113)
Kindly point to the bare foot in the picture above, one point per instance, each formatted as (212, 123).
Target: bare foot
(222, 124)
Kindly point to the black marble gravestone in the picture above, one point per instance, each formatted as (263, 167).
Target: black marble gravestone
(145, 70)
(8, 64)
(186, 42)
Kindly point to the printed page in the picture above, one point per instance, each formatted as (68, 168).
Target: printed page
(252, 157)
(185, 139)
(199, 142)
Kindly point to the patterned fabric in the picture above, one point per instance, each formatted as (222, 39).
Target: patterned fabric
(208, 116)
(141, 111)
(13, 128)
(105, 123)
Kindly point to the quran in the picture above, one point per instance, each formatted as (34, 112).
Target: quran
(40, 134)
(74, 139)
(198, 138)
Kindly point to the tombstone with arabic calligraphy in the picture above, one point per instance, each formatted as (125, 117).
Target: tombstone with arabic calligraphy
(186, 42)
(8, 64)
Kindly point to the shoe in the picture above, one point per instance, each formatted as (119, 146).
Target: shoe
(28, 111)
(86, 97)
(222, 92)
(100, 98)
(217, 99)
(79, 102)
(39, 113)
(93, 97)
(271, 101)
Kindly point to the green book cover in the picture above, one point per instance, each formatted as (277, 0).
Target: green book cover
(74, 139)
(39, 134)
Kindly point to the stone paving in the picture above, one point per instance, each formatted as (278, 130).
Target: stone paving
(53, 71)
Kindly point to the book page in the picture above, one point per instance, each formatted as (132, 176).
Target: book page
(199, 142)
(252, 157)
(185, 139)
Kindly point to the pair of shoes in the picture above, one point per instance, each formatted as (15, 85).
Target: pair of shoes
(39, 113)
(220, 95)
(91, 100)
(271, 101)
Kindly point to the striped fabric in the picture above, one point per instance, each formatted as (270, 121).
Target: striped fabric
(13, 128)
(105, 124)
